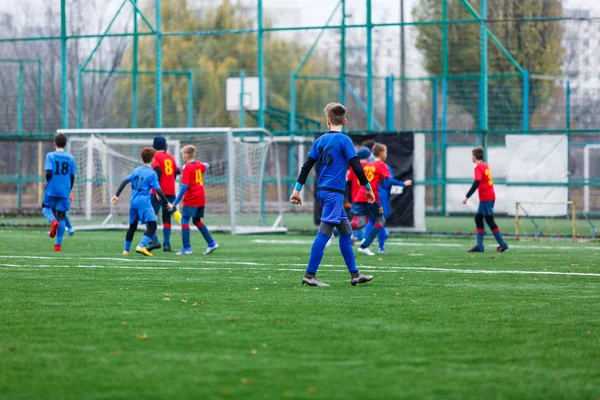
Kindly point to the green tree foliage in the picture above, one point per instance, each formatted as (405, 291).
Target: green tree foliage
(536, 46)
(214, 58)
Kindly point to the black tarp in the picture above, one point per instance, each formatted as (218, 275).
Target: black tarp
(400, 157)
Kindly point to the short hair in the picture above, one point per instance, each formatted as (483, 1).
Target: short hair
(478, 153)
(189, 150)
(147, 154)
(60, 140)
(378, 148)
(336, 113)
(369, 144)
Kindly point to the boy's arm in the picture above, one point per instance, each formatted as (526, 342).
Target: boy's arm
(158, 190)
(475, 185)
(158, 171)
(304, 171)
(362, 178)
(185, 180)
(115, 198)
(48, 167)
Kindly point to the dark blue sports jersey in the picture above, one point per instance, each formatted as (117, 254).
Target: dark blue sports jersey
(142, 179)
(332, 152)
(62, 166)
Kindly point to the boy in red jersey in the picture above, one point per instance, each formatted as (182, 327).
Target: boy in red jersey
(484, 184)
(192, 193)
(166, 169)
(375, 171)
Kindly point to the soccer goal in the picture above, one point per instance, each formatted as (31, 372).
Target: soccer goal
(552, 219)
(243, 184)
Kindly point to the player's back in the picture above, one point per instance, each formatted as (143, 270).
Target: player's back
(375, 171)
(143, 179)
(193, 176)
(63, 167)
(168, 168)
(486, 183)
(332, 152)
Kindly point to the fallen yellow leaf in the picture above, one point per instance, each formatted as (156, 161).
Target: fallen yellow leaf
(196, 304)
(142, 336)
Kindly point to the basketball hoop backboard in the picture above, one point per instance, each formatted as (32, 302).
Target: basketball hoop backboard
(251, 93)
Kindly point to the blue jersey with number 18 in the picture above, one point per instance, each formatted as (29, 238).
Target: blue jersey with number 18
(142, 179)
(332, 151)
(62, 166)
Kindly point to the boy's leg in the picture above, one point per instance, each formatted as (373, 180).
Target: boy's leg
(47, 210)
(166, 219)
(133, 223)
(60, 232)
(346, 249)
(187, 214)
(480, 233)
(211, 244)
(489, 219)
(328, 218)
(147, 238)
(156, 203)
(375, 215)
(383, 235)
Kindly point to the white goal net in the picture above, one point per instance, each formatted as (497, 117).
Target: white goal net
(242, 186)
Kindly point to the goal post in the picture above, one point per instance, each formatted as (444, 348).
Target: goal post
(545, 221)
(243, 183)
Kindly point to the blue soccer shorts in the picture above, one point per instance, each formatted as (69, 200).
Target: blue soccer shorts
(333, 207)
(143, 215)
(56, 203)
(193, 212)
(486, 208)
(372, 211)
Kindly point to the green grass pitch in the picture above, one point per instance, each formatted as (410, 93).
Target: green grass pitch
(435, 323)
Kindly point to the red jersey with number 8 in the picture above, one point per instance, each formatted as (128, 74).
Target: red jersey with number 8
(486, 183)
(194, 178)
(168, 168)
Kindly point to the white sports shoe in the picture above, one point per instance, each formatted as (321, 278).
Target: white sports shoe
(366, 251)
(211, 249)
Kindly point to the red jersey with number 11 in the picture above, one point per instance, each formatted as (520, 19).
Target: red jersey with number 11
(486, 183)
(194, 178)
(168, 168)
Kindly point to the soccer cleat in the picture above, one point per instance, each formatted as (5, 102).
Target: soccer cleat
(366, 251)
(153, 245)
(502, 249)
(210, 249)
(382, 251)
(312, 281)
(125, 253)
(71, 231)
(361, 279)
(177, 216)
(57, 247)
(142, 250)
(476, 249)
(53, 229)
(167, 248)
(184, 251)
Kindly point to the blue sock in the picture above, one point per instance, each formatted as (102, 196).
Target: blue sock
(205, 234)
(316, 253)
(383, 235)
(127, 246)
(60, 232)
(68, 222)
(185, 232)
(499, 238)
(367, 229)
(359, 233)
(372, 235)
(145, 241)
(167, 234)
(155, 238)
(480, 235)
(348, 252)
(48, 214)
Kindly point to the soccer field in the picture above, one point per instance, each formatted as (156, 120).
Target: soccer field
(435, 322)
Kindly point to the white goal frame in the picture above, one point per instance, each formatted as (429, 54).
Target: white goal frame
(250, 134)
(586, 174)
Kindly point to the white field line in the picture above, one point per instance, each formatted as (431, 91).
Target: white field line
(58, 258)
(393, 242)
(269, 267)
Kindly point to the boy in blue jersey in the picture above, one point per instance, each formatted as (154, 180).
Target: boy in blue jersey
(332, 151)
(142, 180)
(384, 198)
(60, 175)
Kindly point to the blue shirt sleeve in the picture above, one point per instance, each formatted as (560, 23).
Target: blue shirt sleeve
(73, 167)
(130, 177)
(392, 181)
(348, 148)
(48, 164)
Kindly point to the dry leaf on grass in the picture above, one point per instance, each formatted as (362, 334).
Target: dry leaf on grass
(246, 381)
(196, 304)
(142, 336)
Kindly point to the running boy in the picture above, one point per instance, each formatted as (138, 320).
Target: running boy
(60, 175)
(192, 193)
(142, 180)
(484, 185)
(332, 151)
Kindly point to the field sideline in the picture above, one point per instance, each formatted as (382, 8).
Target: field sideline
(436, 322)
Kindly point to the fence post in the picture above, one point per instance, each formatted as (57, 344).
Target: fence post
(292, 121)
(444, 139)
(242, 109)
(261, 67)
(63, 64)
(369, 67)
(568, 106)
(134, 80)
(389, 103)
(20, 143)
(434, 134)
(526, 101)
(79, 96)
(158, 67)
